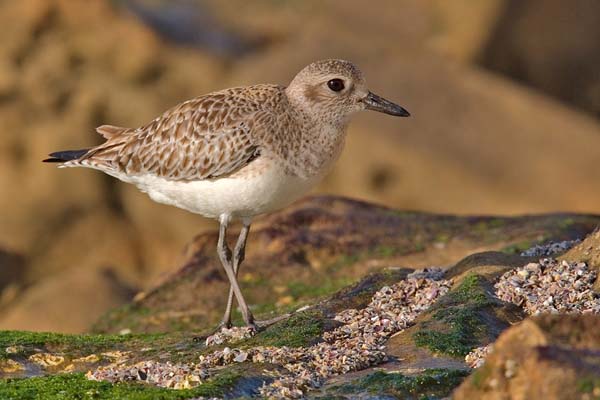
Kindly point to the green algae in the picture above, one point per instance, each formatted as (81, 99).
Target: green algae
(24, 338)
(301, 329)
(430, 384)
(481, 375)
(76, 386)
(588, 385)
(460, 315)
(30, 342)
(327, 286)
(129, 315)
(519, 247)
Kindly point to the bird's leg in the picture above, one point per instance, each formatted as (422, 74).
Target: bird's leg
(225, 256)
(238, 257)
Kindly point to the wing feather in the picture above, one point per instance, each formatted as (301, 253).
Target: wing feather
(207, 137)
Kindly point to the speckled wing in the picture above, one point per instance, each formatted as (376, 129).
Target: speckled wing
(207, 137)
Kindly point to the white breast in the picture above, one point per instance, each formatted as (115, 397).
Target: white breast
(260, 189)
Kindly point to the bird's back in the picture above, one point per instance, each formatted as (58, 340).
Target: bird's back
(206, 137)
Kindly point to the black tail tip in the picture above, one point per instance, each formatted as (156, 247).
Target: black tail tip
(64, 156)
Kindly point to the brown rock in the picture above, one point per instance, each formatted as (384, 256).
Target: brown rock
(548, 357)
(321, 244)
(67, 302)
(587, 251)
(67, 66)
(11, 268)
(471, 144)
(80, 64)
(553, 48)
(87, 241)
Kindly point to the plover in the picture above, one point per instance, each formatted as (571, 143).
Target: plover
(239, 152)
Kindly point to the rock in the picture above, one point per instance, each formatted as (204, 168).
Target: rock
(468, 317)
(11, 275)
(549, 357)
(587, 251)
(388, 385)
(49, 305)
(68, 66)
(553, 49)
(397, 332)
(80, 65)
(478, 165)
(334, 241)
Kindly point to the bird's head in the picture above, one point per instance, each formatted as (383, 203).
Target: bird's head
(333, 90)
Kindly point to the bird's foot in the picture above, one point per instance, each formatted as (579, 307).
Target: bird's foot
(218, 329)
(231, 335)
(226, 333)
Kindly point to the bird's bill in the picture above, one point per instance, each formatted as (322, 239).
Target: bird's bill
(376, 103)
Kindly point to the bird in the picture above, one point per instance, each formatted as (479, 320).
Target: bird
(238, 153)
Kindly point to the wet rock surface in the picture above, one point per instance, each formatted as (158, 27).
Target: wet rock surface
(333, 241)
(394, 333)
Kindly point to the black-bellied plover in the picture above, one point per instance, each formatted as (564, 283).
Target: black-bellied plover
(240, 152)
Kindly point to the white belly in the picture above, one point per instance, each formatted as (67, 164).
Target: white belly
(240, 195)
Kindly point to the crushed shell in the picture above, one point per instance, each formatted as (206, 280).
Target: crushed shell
(355, 345)
(229, 335)
(550, 249)
(550, 286)
(476, 357)
(46, 359)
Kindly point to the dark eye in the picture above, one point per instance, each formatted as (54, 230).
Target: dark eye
(336, 85)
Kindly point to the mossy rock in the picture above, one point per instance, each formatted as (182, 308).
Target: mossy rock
(77, 386)
(428, 384)
(467, 317)
(544, 357)
(318, 246)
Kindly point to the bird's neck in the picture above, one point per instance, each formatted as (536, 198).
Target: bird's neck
(321, 146)
(320, 138)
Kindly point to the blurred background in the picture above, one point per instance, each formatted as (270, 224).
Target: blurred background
(505, 97)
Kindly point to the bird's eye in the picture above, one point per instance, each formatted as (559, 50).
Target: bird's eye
(337, 85)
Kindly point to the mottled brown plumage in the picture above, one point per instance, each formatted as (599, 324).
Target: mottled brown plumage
(239, 152)
(206, 137)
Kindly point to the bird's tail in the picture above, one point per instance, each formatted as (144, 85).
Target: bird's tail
(66, 155)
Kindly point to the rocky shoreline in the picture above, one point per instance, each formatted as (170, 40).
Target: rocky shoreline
(395, 333)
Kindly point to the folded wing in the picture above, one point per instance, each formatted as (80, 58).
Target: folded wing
(207, 137)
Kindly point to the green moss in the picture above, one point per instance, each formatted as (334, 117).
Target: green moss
(566, 223)
(343, 261)
(385, 251)
(267, 310)
(82, 343)
(129, 315)
(518, 248)
(480, 376)
(489, 224)
(430, 384)
(403, 213)
(419, 247)
(470, 292)
(76, 386)
(459, 314)
(301, 329)
(442, 237)
(302, 294)
(327, 286)
(588, 385)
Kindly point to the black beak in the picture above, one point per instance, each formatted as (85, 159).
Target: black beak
(376, 103)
